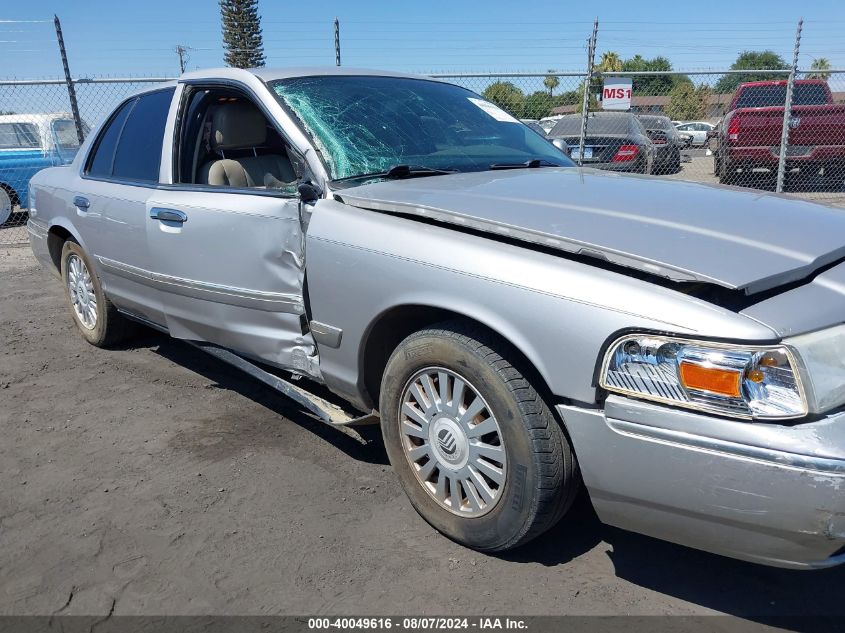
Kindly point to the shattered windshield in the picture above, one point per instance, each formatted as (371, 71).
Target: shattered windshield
(366, 125)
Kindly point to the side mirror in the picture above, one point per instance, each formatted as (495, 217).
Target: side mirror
(309, 193)
(561, 145)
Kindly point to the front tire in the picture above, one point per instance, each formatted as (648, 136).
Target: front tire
(94, 315)
(476, 449)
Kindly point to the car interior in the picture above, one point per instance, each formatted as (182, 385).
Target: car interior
(226, 141)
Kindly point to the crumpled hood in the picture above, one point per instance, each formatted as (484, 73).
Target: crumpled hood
(738, 239)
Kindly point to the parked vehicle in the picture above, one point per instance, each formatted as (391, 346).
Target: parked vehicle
(698, 130)
(559, 143)
(29, 142)
(615, 141)
(667, 142)
(748, 137)
(499, 310)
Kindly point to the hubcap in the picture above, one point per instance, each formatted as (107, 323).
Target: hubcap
(5, 206)
(452, 441)
(81, 291)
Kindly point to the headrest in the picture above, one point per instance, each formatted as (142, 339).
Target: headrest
(237, 125)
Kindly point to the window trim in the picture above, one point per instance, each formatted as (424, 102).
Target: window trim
(89, 157)
(192, 85)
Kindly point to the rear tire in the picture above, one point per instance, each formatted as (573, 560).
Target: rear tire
(94, 315)
(6, 202)
(530, 476)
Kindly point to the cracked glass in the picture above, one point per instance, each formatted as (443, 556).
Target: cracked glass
(365, 125)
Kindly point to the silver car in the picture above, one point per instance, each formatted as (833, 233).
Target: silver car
(518, 326)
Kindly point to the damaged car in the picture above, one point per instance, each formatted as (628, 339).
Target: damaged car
(393, 249)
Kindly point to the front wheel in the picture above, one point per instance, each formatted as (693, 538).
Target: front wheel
(476, 449)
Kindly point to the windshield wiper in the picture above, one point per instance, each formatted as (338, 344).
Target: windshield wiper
(398, 172)
(531, 164)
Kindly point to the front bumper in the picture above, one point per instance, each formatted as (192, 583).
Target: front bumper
(766, 493)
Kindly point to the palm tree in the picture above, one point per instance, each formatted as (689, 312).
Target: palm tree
(551, 82)
(610, 63)
(820, 66)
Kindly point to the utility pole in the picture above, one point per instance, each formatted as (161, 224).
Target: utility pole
(182, 52)
(337, 42)
(71, 91)
(585, 104)
(787, 110)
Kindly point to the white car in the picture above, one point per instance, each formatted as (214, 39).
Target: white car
(698, 130)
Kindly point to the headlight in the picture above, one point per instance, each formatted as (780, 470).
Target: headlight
(823, 356)
(734, 380)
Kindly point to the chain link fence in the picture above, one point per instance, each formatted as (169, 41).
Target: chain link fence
(709, 127)
(37, 130)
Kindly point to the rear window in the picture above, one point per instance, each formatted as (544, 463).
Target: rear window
(18, 136)
(768, 96)
(130, 146)
(138, 154)
(569, 126)
(65, 131)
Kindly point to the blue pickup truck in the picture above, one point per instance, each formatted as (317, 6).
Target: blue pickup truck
(29, 143)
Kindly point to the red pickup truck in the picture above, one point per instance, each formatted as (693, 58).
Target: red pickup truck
(748, 136)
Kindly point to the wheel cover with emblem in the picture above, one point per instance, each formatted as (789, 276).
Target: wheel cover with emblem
(81, 292)
(452, 441)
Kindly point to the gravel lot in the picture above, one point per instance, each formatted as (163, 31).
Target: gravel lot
(153, 480)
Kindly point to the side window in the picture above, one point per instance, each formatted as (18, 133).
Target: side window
(225, 140)
(138, 154)
(100, 163)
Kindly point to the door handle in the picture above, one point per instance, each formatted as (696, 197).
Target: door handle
(168, 215)
(81, 202)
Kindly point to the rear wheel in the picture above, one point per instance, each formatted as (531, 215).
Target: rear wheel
(94, 315)
(834, 175)
(724, 171)
(477, 450)
(5, 205)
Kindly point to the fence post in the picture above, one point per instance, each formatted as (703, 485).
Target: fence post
(336, 42)
(71, 91)
(787, 110)
(585, 103)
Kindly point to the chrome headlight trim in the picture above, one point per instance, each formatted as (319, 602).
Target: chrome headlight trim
(695, 403)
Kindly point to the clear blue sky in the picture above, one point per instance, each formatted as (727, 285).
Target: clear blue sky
(126, 37)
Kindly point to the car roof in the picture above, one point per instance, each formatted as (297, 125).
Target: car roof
(35, 118)
(273, 74)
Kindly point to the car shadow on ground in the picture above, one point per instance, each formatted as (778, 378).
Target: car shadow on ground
(360, 443)
(746, 590)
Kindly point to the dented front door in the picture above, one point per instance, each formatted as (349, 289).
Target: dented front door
(230, 269)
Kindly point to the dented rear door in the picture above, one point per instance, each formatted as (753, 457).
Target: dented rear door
(230, 269)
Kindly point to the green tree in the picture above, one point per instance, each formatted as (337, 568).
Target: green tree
(688, 102)
(593, 102)
(751, 61)
(820, 69)
(551, 82)
(242, 37)
(610, 63)
(507, 96)
(646, 84)
(538, 104)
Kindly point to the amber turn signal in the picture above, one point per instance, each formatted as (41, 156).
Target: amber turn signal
(711, 379)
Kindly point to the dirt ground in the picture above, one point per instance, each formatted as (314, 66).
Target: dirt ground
(153, 480)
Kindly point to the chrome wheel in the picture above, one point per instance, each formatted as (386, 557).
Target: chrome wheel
(5, 205)
(452, 441)
(81, 292)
